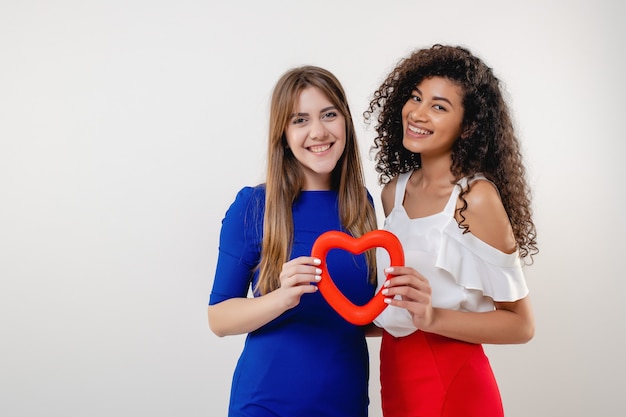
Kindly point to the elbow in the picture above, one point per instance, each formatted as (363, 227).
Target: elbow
(214, 325)
(217, 332)
(527, 332)
(521, 324)
(530, 333)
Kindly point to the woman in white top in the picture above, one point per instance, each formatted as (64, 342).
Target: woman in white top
(455, 194)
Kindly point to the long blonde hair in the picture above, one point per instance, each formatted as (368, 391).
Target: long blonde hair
(285, 178)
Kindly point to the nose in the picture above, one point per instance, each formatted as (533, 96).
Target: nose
(318, 130)
(417, 114)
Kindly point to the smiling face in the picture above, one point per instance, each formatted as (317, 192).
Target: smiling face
(432, 117)
(316, 135)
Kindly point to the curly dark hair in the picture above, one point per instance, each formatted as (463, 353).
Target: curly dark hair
(489, 145)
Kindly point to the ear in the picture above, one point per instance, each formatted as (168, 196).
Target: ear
(468, 131)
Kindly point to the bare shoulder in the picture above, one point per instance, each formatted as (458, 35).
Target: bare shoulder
(387, 195)
(483, 195)
(487, 218)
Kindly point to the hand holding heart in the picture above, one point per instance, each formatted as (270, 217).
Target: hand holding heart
(295, 280)
(359, 315)
(407, 288)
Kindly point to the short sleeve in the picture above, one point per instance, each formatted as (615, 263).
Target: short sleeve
(477, 266)
(239, 245)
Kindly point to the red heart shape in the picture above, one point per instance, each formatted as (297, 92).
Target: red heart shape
(359, 315)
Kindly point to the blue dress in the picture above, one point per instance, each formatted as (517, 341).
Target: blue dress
(308, 361)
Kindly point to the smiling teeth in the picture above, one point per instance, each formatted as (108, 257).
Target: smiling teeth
(419, 131)
(319, 148)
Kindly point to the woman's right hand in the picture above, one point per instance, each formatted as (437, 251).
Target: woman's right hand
(298, 277)
(415, 294)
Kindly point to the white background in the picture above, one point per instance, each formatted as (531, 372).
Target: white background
(127, 127)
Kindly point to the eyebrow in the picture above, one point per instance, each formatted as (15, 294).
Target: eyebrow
(435, 97)
(324, 110)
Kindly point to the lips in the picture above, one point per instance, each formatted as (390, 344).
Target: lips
(320, 148)
(419, 131)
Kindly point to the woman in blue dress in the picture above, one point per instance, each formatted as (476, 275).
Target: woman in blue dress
(300, 357)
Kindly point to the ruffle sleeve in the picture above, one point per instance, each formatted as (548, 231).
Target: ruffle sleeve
(477, 266)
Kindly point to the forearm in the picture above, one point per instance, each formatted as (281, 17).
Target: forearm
(501, 326)
(243, 315)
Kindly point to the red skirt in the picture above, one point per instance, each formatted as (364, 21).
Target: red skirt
(427, 375)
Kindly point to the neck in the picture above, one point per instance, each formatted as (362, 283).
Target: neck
(316, 183)
(435, 172)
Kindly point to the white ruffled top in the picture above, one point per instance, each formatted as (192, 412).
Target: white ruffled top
(464, 272)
